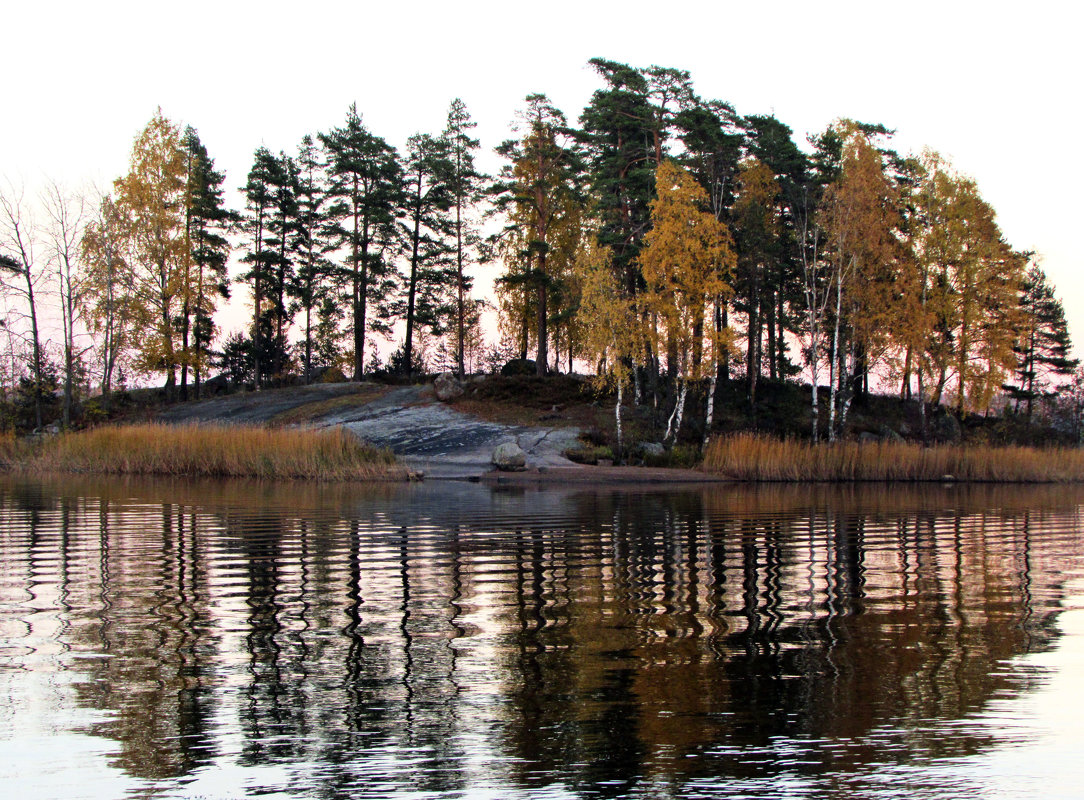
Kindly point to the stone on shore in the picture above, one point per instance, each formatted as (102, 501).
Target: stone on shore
(509, 457)
(447, 387)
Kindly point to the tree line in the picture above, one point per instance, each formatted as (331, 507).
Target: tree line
(663, 239)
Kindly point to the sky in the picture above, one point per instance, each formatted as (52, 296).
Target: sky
(992, 86)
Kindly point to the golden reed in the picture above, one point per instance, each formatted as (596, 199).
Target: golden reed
(208, 451)
(749, 457)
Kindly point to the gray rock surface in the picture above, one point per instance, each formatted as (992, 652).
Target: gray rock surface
(428, 436)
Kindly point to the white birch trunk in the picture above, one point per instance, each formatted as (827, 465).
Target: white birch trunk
(617, 420)
(709, 416)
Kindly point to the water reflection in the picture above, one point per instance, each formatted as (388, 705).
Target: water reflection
(435, 638)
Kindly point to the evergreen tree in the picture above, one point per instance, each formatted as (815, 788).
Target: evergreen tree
(309, 286)
(258, 191)
(365, 186)
(1043, 347)
(465, 186)
(620, 140)
(279, 246)
(428, 228)
(207, 222)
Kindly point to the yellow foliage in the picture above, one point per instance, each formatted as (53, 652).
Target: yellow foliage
(686, 263)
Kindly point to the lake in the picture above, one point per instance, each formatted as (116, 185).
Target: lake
(173, 639)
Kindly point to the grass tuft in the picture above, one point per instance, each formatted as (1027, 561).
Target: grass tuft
(211, 451)
(750, 457)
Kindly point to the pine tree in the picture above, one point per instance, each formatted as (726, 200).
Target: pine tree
(1043, 347)
(309, 286)
(278, 240)
(465, 185)
(258, 191)
(757, 235)
(428, 230)
(365, 184)
(207, 222)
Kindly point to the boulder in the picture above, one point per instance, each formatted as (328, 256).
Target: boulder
(509, 457)
(447, 387)
(519, 366)
(652, 450)
(888, 435)
(945, 428)
(217, 385)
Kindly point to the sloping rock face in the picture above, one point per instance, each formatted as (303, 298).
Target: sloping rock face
(509, 457)
(447, 387)
(430, 437)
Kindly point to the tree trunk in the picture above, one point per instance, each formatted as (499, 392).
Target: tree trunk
(617, 421)
(709, 415)
(543, 344)
(460, 289)
(408, 341)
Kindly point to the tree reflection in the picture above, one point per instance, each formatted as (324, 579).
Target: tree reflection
(407, 636)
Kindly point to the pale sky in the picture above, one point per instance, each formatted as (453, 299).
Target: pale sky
(993, 86)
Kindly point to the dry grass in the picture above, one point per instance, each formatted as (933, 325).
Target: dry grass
(759, 458)
(12, 450)
(213, 451)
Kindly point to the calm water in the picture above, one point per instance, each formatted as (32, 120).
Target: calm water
(184, 640)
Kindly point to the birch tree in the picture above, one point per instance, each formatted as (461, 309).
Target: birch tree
(67, 218)
(108, 304)
(24, 274)
(686, 263)
(151, 196)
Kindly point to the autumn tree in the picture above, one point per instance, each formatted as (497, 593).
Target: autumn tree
(859, 217)
(611, 326)
(108, 303)
(970, 285)
(540, 194)
(686, 263)
(713, 140)
(151, 196)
